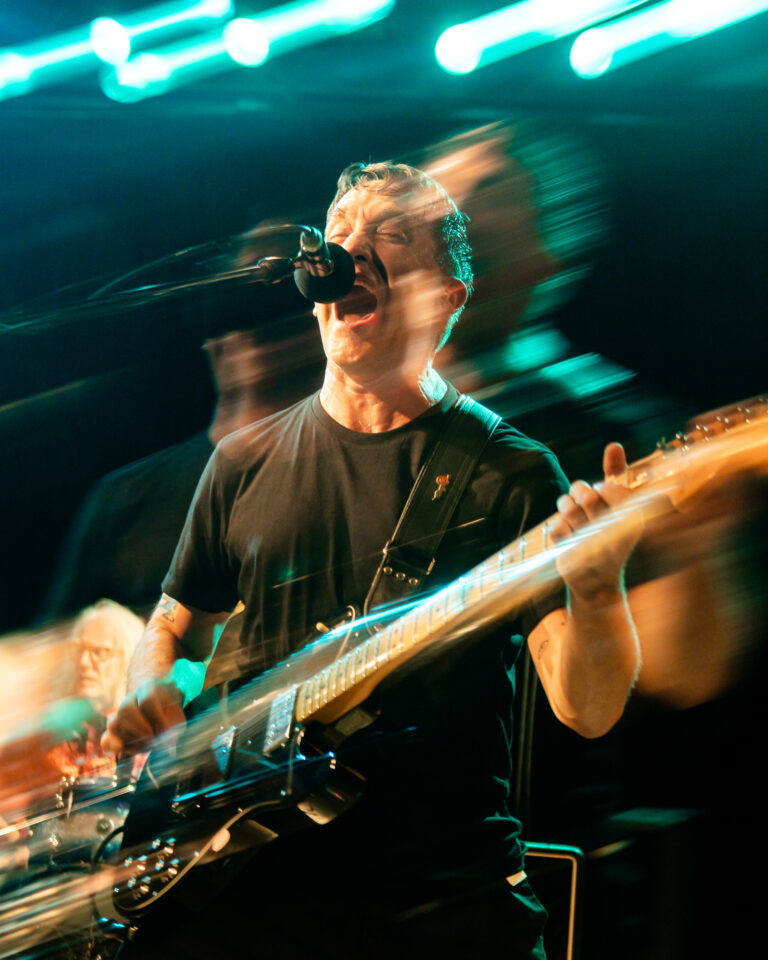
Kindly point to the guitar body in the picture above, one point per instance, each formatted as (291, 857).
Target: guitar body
(200, 805)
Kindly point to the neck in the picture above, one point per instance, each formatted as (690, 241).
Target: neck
(379, 403)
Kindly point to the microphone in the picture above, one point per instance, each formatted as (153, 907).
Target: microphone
(327, 271)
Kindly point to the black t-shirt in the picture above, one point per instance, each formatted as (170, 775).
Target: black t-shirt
(125, 532)
(290, 517)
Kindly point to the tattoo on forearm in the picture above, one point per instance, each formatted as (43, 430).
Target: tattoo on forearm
(168, 607)
(542, 647)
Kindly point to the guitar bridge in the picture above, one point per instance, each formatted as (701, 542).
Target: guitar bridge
(280, 721)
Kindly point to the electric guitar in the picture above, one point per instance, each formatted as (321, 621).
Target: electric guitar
(251, 769)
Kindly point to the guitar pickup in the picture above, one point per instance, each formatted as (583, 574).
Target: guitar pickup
(280, 722)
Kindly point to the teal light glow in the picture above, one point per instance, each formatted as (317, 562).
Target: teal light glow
(458, 50)
(112, 40)
(249, 40)
(44, 61)
(519, 27)
(15, 74)
(246, 41)
(150, 74)
(653, 29)
(591, 53)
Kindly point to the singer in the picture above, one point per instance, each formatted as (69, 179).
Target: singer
(290, 519)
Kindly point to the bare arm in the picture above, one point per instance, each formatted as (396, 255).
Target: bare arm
(587, 655)
(155, 692)
(587, 658)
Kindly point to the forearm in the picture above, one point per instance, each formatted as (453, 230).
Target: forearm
(154, 657)
(588, 657)
(172, 633)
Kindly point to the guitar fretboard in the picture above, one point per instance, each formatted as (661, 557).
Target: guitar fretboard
(442, 615)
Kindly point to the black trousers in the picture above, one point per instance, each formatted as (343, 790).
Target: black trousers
(310, 921)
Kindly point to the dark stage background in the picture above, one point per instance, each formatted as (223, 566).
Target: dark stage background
(675, 293)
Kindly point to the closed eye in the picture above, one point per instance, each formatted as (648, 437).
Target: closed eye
(393, 236)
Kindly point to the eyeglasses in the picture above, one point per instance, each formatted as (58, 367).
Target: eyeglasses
(98, 654)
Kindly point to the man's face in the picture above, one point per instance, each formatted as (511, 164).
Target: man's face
(100, 665)
(401, 301)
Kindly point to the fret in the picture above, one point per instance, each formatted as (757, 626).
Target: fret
(544, 535)
(396, 646)
(474, 588)
(349, 673)
(522, 548)
(463, 592)
(458, 595)
(317, 691)
(500, 564)
(409, 628)
(368, 658)
(375, 644)
(300, 701)
(417, 628)
(307, 695)
(384, 648)
(341, 674)
(334, 678)
(438, 613)
(324, 686)
(358, 661)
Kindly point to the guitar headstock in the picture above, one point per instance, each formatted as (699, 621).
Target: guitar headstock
(714, 447)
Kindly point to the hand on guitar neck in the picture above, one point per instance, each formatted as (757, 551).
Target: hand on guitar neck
(593, 571)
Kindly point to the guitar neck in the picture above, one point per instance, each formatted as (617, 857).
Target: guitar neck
(493, 589)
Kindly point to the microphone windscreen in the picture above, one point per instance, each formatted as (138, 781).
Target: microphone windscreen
(334, 287)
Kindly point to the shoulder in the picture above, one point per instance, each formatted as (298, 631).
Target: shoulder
(514, 454)
(252, 444)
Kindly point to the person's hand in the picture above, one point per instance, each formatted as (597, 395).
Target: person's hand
(153, 709)
(593, 569)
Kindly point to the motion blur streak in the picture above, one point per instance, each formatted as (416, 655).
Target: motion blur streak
(519, 27)
(655, 29)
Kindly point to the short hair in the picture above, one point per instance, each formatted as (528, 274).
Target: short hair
(449, 224)
(125, 626)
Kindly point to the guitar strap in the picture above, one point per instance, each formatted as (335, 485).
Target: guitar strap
(409, 554)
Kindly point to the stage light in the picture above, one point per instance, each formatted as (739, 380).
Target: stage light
(246, 42)
(112, 40)
(656, 28)
(294, 25)
(44, 61)
(65, 55)
(519, 27)
(150, 74)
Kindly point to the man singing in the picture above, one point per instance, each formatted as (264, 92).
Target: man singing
(290, 519)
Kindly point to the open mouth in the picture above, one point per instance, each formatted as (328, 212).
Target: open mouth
(358, 306)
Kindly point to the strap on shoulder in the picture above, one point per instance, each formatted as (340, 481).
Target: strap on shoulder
(408, 556)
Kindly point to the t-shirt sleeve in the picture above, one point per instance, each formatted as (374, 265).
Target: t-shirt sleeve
(201, 575)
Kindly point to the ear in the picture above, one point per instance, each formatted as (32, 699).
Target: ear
(455, 294)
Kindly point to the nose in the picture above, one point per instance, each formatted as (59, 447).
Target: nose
(358, 244)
